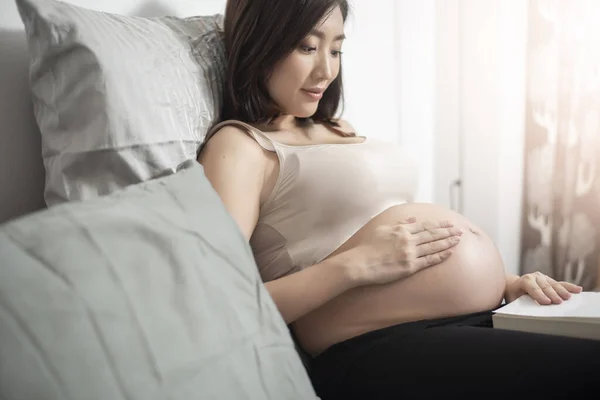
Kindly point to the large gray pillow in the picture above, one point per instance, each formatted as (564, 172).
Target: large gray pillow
(148, 293)
(119, 100)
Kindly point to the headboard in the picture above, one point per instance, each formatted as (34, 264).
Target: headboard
(22, 173)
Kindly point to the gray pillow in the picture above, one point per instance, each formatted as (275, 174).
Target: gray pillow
(119, 100)
(150, 292)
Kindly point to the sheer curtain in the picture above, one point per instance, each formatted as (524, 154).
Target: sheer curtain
(561, 213)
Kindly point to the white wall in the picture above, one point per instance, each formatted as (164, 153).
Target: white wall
(369, 65)
(447, 153)
(492, 98)
(416, 59)
(462, 107)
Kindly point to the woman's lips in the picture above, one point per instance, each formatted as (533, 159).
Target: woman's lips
(314, 96)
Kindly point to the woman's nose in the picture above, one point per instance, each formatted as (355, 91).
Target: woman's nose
(324, 68)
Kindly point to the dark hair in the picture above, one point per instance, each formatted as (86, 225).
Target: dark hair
(260, 33)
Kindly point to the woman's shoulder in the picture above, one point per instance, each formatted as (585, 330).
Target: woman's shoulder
(229, 125)
(231, 137)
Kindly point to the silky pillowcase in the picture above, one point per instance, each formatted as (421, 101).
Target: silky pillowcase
(150, 292)
(118, 99)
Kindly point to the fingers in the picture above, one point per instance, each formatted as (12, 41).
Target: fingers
(561, 291)
(532, 288)
(417, 227)
(564, 289)
(429, 231)
(431, 260)
(549, 293)
(432, 240)
(409, 220)
(571, 287)
(546, 290)
(436, 235)
(436, 246)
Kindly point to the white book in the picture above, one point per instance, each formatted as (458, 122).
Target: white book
(577, 317)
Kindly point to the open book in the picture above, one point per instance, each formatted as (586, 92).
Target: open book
(577, 317)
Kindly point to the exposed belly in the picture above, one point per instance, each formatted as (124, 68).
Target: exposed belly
(471, 280)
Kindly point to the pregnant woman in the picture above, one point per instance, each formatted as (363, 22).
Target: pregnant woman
(388, 297)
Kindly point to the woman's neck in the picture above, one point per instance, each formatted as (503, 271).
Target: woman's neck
(284, 122)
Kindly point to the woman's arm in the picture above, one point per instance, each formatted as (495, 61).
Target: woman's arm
(298, 294)
(510, 279)
(236, 167)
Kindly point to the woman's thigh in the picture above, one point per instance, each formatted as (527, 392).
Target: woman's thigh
(423, 360)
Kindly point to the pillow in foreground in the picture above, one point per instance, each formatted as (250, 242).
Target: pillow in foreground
(147, 293)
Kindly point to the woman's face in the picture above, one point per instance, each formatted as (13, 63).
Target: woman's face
(297, 82)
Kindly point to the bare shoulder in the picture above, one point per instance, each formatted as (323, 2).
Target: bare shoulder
(230, 141)
(346, 127)
(235, 165)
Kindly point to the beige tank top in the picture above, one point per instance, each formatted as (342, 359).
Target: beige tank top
(323, 195)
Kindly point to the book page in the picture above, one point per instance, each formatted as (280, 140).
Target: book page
(580, 305)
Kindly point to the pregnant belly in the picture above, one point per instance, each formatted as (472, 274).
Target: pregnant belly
(471, 280)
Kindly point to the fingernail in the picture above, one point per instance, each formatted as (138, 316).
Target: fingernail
(456, 239)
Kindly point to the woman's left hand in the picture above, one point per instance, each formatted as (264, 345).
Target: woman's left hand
(541, 288)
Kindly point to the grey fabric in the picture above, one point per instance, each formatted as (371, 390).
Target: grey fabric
(148, 293)
(119, 100)
(21, 166)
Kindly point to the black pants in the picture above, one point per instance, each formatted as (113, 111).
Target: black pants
(460, 357)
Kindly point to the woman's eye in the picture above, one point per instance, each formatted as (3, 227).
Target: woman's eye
(312, 49)
(308, 49)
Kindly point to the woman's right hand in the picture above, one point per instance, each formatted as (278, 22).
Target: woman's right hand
(400, 250)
